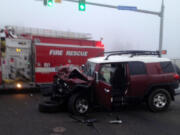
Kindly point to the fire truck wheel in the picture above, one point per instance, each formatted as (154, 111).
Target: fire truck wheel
(78, 104)
(49, 107)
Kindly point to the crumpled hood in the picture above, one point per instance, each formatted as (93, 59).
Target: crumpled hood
(73, 74)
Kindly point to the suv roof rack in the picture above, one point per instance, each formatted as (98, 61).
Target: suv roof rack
(133, 53)
(102, 53)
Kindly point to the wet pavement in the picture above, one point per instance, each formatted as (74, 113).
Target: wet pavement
(19, 115)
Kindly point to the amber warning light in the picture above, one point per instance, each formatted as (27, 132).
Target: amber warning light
(18, 50)
(164, 52)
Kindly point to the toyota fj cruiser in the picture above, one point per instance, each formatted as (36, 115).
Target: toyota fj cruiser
(113, 80)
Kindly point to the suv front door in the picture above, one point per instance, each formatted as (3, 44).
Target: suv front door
(103, 86)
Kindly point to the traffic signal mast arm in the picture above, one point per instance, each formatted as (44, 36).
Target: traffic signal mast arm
(130, 8)
(135, 9)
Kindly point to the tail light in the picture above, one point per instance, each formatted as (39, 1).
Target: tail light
(176, 76)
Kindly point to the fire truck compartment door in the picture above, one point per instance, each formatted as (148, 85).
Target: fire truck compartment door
(16, 63)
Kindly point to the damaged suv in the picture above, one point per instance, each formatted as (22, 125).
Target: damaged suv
(122, 77)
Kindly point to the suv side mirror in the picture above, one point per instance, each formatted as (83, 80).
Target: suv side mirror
(96, 77)
(83, 67)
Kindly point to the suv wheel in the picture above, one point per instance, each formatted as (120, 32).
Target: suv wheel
(78, 104)
(159, 100)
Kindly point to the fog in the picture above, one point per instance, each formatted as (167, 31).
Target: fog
(120, 30)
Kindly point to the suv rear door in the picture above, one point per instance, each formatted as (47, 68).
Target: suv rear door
(138, 79)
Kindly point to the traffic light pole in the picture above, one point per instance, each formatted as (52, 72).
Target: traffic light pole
(161, 28)
(160, 14)
(134, 9)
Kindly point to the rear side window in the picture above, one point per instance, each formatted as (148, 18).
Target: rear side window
(167, 67)
(137, 68)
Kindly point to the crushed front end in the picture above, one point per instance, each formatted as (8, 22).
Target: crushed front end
(66, 81)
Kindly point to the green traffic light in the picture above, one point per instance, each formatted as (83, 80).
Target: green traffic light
(82, 7)
(50, 3)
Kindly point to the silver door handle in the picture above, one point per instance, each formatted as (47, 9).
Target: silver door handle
(106, 90)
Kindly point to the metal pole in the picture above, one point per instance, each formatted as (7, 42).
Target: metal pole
(161, 27)
(160, 14)
(116, 7)
(94, 4)
(148, 12)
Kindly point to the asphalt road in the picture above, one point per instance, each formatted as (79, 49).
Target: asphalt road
(19, 116)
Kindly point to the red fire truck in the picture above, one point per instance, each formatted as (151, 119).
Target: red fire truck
(29, 56)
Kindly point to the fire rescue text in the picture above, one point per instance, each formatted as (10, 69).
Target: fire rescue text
(68, 53)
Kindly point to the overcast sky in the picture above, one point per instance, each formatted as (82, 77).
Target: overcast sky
(119, 29)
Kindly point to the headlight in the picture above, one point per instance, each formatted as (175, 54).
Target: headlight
(18, 85)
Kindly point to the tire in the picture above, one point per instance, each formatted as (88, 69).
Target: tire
(46, 91)
(159, 100)
(78, 104)
(49, 107)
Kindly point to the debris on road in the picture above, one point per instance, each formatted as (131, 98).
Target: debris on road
(59, 130)
(115, 122)
(86, 120)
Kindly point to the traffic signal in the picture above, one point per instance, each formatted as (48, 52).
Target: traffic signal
(49, 3)
(82, 5)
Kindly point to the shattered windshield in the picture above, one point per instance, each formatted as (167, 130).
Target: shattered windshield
(89, 68)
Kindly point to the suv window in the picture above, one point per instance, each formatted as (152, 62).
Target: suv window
(89, 68)
(137, 68)
(106, 72)
(167, 67)
(177, 69)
